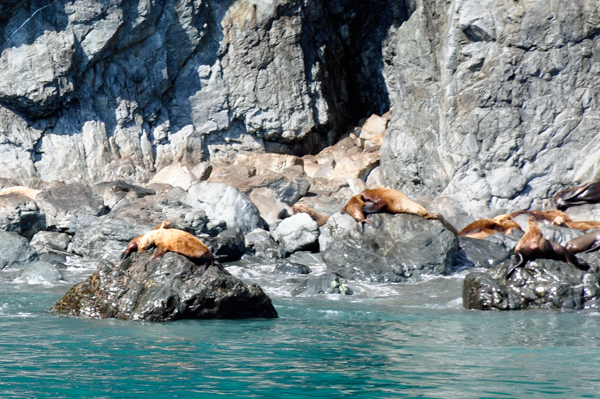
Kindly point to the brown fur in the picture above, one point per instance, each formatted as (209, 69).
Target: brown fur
(354, 207)
(551, 216)
(316, 216)
(25, 191)
(592, 224)
(534, 246)
(483, 228)
(134, 244)
(392, 201)
(178, 241)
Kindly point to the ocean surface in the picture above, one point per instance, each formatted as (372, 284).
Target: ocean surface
(410, 340)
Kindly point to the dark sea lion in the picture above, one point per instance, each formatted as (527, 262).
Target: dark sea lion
(316, 216)
(483, 228)
(586, 243)
(534, 246)
(354, 207)
(134, 244)
(586, 194)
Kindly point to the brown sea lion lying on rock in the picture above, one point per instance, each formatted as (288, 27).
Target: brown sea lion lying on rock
(585, 225)
(534, 246)
(484, 228)
(586, 194)
(551, 216)
(167, 239)
(316, 216)
(354, 207)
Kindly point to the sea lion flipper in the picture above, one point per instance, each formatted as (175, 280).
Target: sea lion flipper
(594, 247)
(519, 261)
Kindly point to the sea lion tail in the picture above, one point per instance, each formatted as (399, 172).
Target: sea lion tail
(519, 261)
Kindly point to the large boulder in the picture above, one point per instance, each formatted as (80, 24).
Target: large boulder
(298, 232)
(108, 236)
(20, 214)
(14, 250)
(169, 289)
(114, 192)
(394, 248)
(542, 283)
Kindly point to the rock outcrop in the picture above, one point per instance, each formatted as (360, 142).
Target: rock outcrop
(166, 290)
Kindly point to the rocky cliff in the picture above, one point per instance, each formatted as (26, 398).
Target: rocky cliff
(495, 103)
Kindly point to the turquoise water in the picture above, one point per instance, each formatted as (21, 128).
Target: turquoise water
(414, 342)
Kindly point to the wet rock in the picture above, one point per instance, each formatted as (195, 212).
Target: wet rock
(227, 246)
(167, 290)
(114, 192)
(287, 267)
(109, 235)
(20, 214)
(325, 284)
(395, 248)
(40, 272)
(297, 233)
(70, 207)
(542, 283)
(480, 253)
(260, 244)
(14, 250)
(223, 203)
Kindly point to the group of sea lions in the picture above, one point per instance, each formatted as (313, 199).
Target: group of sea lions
(531, 246)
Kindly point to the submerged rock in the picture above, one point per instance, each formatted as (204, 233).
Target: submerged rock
(169, 289)
(395, 248)
(542, 283)
(325, 284)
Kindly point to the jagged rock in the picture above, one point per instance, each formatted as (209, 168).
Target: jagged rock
(542, 283)
(271, 208)
(229, 174)
(114, 192)
(264, 162)
(229, 245)
(14, 250)
(20, 214)
(166, 290)
(108, 236)
(357, 165)
(395, 248)
(70, 207)
(40, 272)
(288, 189)
(287, 267)
(374, 129)
(224, 204)
(260, 244)
(298, 232)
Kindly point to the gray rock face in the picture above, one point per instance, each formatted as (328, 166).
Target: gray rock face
(70, 206)
(109, 235)
(260, 244)
(480, 253)
(542, 283)
(298, 232)
(398, 248)
(14, 250)
(492, 100)
(167, 290)
(115, 192)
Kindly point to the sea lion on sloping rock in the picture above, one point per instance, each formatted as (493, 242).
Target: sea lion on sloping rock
(134, 244)
(354, 207)
(585, 225)
(534, 246)
(484, 228)
(586, 194)
(316, 216)
(392, 201)
(586, 243)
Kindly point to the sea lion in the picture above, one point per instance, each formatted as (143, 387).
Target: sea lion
(483, 228)
(586, 243)
(392, 201)
(585, 194)
(354, 207)
(316, 216)
(551, 216)
(134, 244)
(534, 246)
(25, 191)
(585, 225)
(181, 242)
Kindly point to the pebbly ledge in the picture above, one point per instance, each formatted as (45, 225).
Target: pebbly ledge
(167, 290)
